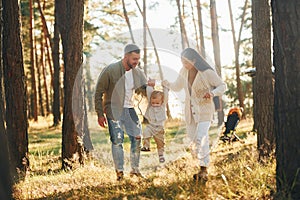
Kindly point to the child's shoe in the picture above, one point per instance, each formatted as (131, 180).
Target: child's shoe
(145, 149)
(161, 159)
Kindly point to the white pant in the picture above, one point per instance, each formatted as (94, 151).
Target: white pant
(199, 141)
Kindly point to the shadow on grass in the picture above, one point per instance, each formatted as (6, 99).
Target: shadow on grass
(141, 190)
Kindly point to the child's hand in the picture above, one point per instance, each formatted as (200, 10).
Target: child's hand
(165, 83)
(151, 82)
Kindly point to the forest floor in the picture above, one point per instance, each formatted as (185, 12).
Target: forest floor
(234, 172)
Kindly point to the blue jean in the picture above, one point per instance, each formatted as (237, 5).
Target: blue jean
(129, 123)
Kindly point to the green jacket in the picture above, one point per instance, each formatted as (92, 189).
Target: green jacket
(110, 89)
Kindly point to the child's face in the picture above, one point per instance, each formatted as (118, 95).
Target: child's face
(156, 101)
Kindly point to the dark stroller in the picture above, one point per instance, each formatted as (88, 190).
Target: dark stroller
(233, 118)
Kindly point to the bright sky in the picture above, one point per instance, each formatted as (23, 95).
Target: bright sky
(165, 15)
(162, 18)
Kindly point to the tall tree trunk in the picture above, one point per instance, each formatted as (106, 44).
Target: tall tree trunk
(264, 118)
(195, 26)
(286, 30)
(46, 87)
(33, 92)
(48, 41)
(145, 37)
(72, 135)
(184, 39)
(15, 90)
(87, 142)
(236, 44)
(216, 47)
(127, 21)
(200, 25)
(88, 79)
(56, 74)
(39, 76)
(5, 181)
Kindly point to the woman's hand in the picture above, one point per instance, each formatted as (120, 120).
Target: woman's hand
(208, 95)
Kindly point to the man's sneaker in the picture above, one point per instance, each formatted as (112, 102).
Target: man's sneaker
(120, 175)
(161, 159)
(145, 149)
(136, 173)
(202, 175)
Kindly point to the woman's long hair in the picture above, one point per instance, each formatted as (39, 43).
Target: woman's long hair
(192, 55)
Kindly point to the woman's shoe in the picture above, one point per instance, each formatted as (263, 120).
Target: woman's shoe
(202, 175)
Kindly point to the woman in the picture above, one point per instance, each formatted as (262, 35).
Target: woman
(201, 83)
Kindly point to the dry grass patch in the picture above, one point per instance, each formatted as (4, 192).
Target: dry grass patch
(234, 172)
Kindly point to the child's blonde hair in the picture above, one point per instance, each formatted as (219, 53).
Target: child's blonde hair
(157, 93)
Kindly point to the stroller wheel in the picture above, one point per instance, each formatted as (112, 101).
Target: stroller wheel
(225, 138)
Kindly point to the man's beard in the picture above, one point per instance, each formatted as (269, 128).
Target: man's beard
(129, 65)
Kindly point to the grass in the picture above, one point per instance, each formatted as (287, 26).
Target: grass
(234, 172)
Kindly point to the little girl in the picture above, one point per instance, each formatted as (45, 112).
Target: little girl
(156, 116)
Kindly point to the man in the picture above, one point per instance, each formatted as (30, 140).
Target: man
(114, 106)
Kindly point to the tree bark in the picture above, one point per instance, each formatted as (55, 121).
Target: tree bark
(264, 117)
(15, 90)
(56, 74)
(72, 135)
(5, 181)
(286, 31)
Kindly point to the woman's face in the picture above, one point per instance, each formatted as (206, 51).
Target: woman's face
(188, 64)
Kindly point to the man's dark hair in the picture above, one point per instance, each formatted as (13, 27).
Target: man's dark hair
(129, 48)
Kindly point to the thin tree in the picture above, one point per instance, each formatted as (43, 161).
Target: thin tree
(200, 26)
(127, 21)
(261, 30)
(33, 92)
(195, 26)
(286, 31)
(236, 44)
(145, 37)
(184, 38)
(56, 66)
(39, 75)
(48, 41)
(72, 130)
(217, 57)
(44, 75)
(15, 90)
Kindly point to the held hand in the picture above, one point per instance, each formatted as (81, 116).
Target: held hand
(102, 121)
(165, 83)
(151, 82)
(208, 95)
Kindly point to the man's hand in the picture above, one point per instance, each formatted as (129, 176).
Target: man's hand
(102, 121)
(151, 82)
